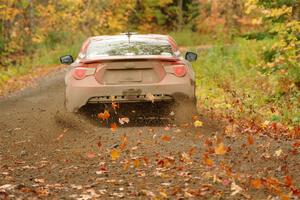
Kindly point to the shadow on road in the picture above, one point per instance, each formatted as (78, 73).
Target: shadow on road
(139, 114)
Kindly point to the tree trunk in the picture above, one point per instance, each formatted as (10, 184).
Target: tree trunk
(296, 11)
(180, 15)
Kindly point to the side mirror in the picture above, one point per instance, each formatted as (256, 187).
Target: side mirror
(190, 56)
(68, 59)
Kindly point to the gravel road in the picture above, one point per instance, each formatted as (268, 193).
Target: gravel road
(46, 153)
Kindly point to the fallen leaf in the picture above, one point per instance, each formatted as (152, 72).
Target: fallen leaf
(123, 143)
(207, 161)
(295, 191)
(115, 106)
(288, 181)
(59, 137)
(188, 195)
(65, 130)
(99, 144)
(165, 138)
(184, 125)
(101, 171)
(278, 152)
(126, 164)
(167, 128)
(154, 136)
(192, 150)
(296, 144)
(256, 183)
(7, 187)
(150, 97)
(102, 191)
(226, 182)
(124, 120)
(163, 194)
(146, 161)
(166, 161)
(136, 163)
(77, 187)
(119, 195)
(198, 123)
(113, 127)
(26, 190)
(115, 154)
(265, 124)
(91, 155)
(42, 192)
(216, 179)
(177, 131)
(185, 158)
(195, 117)
(250, 140)
(272, 182)
(134, 148)
(148, 193)
(104, 116)
(208, 142)
(167, 184)
(235, 189)
(39, 180)
(220, 149)
(284, 197)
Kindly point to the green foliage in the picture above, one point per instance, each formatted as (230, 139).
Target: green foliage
(1, 45)
(229, 83)
(277, 3)
(282, 59)
(55, 37)
(41, 59)
(190, 38)
(162, 15)
(258, 35)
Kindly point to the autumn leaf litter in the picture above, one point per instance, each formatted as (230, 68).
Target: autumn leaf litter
(195, 160)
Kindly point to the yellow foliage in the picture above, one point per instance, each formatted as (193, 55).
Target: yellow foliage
(163, 3)
(284, 55)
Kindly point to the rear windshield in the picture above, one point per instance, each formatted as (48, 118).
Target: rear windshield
(124, 47)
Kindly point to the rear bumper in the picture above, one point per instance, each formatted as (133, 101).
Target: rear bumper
(88, 90)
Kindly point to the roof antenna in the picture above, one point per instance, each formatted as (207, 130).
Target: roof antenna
(129, 34)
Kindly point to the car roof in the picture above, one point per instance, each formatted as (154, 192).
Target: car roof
(121, 36)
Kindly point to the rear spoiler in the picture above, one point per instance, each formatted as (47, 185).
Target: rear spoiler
(119, 58)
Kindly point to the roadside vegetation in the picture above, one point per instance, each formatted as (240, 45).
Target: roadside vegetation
(230, 84)
(248, 65)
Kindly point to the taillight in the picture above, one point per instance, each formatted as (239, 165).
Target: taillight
(82, 72)
(179, 70)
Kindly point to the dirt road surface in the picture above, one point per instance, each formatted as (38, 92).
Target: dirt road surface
(46, 153)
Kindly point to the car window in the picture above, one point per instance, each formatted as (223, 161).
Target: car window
(124, 47)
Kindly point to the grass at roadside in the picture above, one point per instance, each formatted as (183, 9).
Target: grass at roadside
(188, 38)
(229, 83)
(44, 58)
